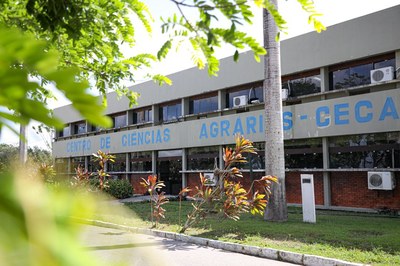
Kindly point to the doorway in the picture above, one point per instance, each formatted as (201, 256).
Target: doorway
(169, 163)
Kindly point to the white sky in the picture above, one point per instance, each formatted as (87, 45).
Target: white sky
(334, 11)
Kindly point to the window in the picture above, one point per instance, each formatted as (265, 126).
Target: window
(202, 158)
(93, 165)
(77, 161)
(302, 86)
(61, 165)
(303, 153)
(171, 112)
(119, 120)
(142, 116)
(65, 132)
(79, 128)
(357, 73)
(141, 161)
(255, 94)
(379, 150)
(119, 164)
(204, 105)
(255, 161)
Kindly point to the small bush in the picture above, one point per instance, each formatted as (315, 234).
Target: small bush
(119, 188)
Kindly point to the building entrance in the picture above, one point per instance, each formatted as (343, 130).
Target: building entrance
(169, 163)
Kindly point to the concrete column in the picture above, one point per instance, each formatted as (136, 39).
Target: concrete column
(221, 162)
(154, 162)
(324, 74)
(397, 56)
(184, 168)
(326, 175)
(86, 163)
(69, 165)
(156, 115)
(127, 117)
(127, 166)
(221, 100)
(185, 106)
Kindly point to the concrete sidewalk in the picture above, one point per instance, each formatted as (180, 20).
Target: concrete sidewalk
(118, 247)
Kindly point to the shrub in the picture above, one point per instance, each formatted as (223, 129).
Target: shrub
(119, 188)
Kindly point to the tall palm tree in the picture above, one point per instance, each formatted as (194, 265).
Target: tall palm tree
(274, 153)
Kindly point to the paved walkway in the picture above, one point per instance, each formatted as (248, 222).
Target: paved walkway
(116, 247)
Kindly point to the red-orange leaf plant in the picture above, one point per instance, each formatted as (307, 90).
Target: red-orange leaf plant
(157, 199)
(102, 158)
(229, 199)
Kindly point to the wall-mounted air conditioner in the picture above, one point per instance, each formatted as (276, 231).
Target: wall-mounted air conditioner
(240, 101)
(381, 180)
(382, 74)
(210, 179)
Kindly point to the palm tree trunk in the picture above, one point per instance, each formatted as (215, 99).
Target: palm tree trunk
(274, 151)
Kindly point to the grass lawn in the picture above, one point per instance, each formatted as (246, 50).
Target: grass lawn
(353, 237)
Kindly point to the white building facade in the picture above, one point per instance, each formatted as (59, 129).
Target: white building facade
(341, 119)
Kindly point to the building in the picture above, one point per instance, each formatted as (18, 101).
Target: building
(341, 119)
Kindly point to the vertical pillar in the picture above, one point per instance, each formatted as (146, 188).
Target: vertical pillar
(184, 168)
(69, 165)
(221, 100)
(326, 175)
(185, 106)
(86, 163)
(154, 162)
(324, 75)
(127, 166)
(221, 157)
(397, 57)
(156, 114)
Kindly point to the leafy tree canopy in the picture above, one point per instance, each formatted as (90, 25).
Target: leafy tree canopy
(73, 41)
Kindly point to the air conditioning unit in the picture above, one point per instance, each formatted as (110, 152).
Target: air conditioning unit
(240, 101)
(381, 180)
(382, 74)
(210, 179)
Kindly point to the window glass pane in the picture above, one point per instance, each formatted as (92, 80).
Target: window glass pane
(119, 121)
(303, 86)
(141, 161)
(119, 165)
(80, 128)
(363, 151)
(171, 112)
(340, 78)
(65, 132)
(142, 116)
(303, 153)
(77, 161)
(360, 75)
(61, 165)
(93, 166)
(385, 63)
(203, 105)
(202, 158)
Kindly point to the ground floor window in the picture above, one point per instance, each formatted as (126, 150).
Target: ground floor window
(303, 153)
(61, 165)
(119, 164)
(380, 150)
(202, 158)
(141, 161)
(77, 161)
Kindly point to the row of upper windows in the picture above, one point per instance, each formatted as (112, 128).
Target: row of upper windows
(351, 74)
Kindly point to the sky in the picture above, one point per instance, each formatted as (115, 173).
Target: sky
(333, 12)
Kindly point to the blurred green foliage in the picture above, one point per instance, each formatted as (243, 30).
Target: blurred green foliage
(37, 227)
